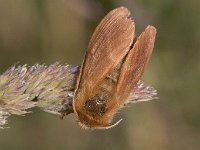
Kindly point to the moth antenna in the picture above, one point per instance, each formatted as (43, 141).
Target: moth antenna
(108, 127)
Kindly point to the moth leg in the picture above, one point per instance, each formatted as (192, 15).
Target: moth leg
(114, 74)
(110, 77)
(67, 107)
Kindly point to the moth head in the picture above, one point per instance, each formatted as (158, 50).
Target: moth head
(93, 114)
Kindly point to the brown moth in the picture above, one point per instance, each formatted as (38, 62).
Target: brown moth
(113, 65)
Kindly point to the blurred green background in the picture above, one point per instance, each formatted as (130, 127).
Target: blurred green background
(46, 31)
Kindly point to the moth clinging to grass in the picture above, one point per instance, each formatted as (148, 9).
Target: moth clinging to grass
(110, 74)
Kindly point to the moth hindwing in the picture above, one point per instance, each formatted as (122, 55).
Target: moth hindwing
(112, 66)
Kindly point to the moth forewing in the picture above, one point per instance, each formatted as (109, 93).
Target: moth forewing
(109, 44)
(133, 68)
